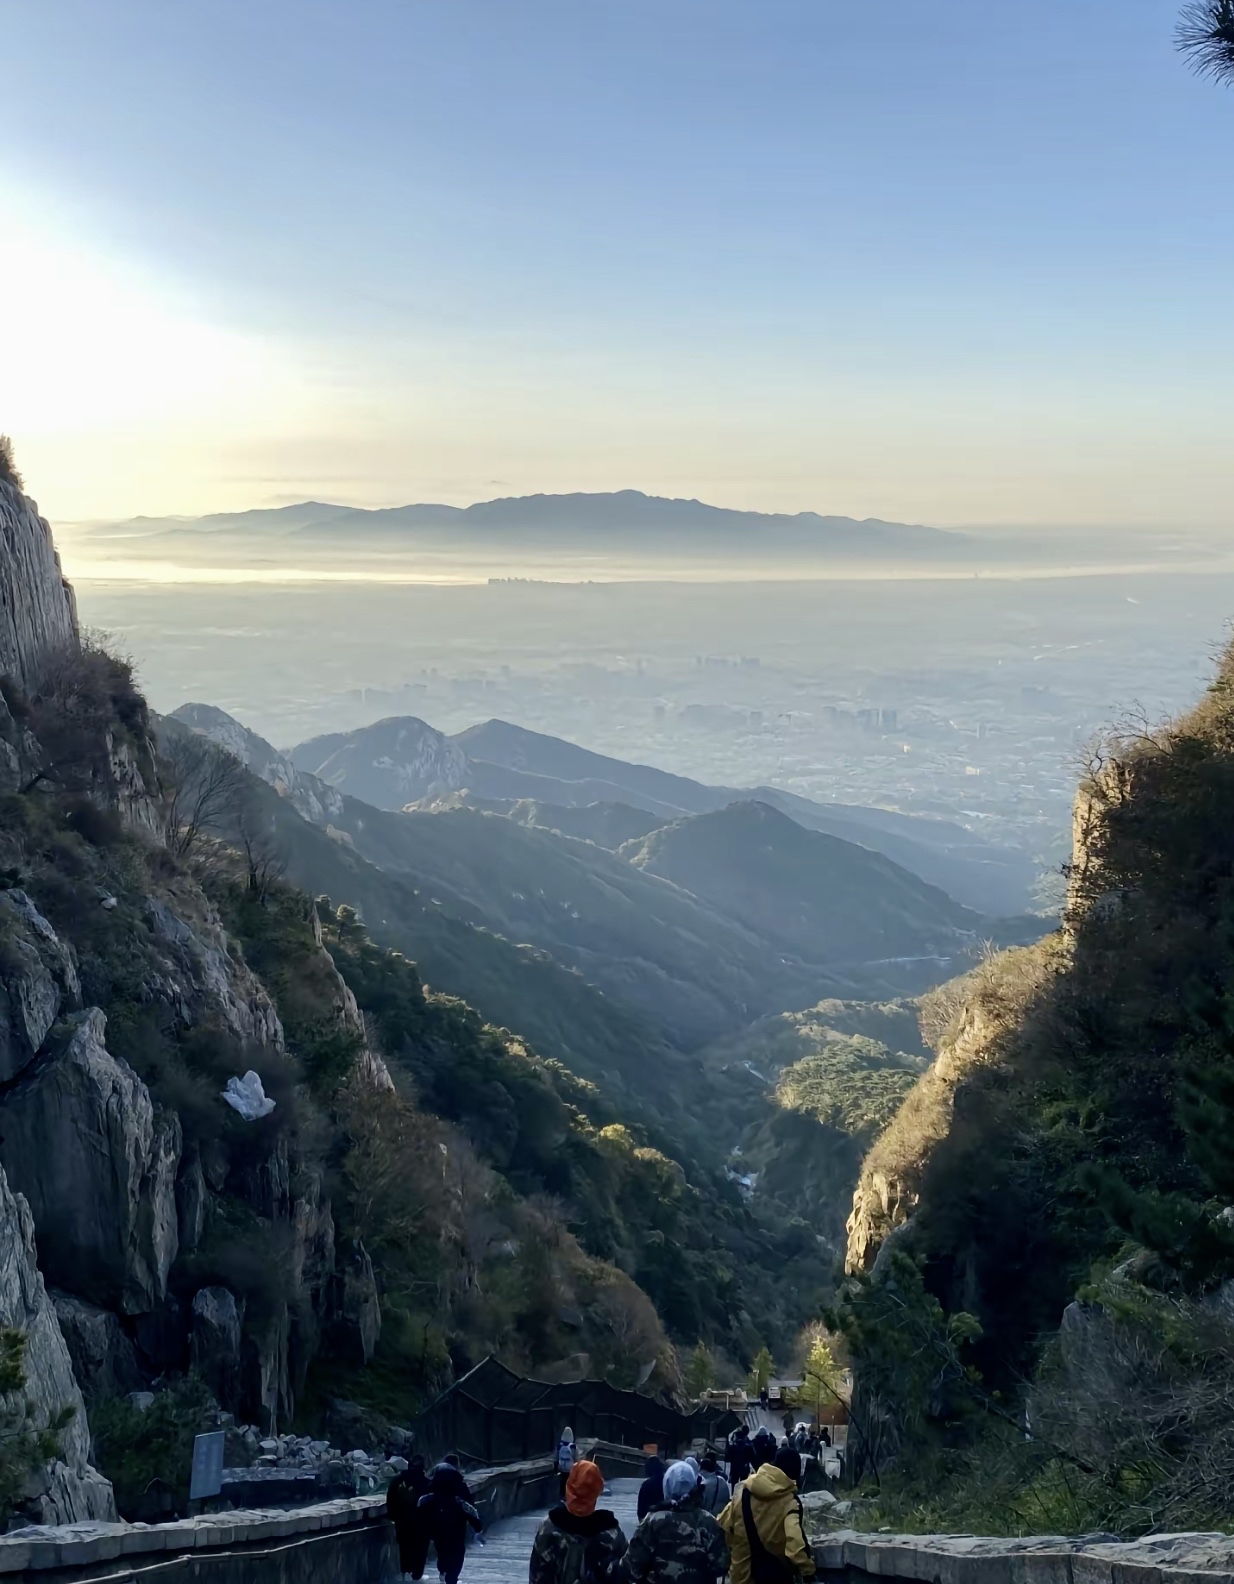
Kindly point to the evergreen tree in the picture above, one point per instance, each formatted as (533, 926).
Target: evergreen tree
(700, 1372)
(1190, 1240)
(821, 1378)
(761, 1371)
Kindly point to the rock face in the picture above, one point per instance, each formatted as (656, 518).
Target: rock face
(82, 1141)
(104, 1361)
(308, 794)
(216, 1342)
(388, 764)
(37, 611)
(74, 1491)
(38, 978)
(205, 981)
(357, 1324)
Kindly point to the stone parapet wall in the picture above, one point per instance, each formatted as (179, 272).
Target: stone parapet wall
(1036, 1559)
(338, 1542)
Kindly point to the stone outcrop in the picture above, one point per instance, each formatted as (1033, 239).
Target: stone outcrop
(37, 610)
(82, 1141)
(215, 1347)
(888, 1190)
(104, 1360)
(357, 1323)
(204, 983)
(73, 1491)
(38, 979)
(308, 794)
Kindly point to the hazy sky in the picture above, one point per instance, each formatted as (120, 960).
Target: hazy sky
(964, 262)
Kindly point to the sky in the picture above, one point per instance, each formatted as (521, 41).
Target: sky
(961, 264)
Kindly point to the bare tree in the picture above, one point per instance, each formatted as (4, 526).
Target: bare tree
(1205, 35)
(264, 861)
(204, 786)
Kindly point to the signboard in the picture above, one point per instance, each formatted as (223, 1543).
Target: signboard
(207, 1475)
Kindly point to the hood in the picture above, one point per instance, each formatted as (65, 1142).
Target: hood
(593, 1523)
(446, 1481)
(653, 1468)
(769, 1482)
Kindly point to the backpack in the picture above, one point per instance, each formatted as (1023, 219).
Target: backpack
(765, 1566)
(588, 1562)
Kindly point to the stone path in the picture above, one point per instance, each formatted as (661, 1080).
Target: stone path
(503, 1559)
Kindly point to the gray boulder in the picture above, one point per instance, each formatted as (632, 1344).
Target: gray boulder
(82, 1141)
(71, 1491)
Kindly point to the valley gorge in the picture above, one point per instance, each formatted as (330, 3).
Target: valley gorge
(309, 1104)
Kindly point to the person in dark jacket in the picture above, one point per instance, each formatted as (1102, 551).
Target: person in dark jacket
(763, 1448)
(714, 1492)
(651, 1491)
(447, 1512)
(576, 1541)
(402, 1499)
(740, 1455)
(677, 1542)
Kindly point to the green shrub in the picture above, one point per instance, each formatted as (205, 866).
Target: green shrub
(147, 1453)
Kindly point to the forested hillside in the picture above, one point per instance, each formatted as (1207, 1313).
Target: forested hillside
(1060, 1179)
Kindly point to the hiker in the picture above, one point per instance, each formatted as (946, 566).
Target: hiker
(651, 1491)
(763, 1525)
(567, 1457)
(402, 1496)
(447, 1511)
(715, 1494)
(763, 1447)
(677, 1542)
(576, 1544)
(740, 1456)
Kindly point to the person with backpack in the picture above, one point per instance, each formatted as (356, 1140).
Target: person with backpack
(402, 1509)
(715, 1493)
(677, 1542)
(576, 1543)
(762, 1524)
(567, 1457)
(446, 1512)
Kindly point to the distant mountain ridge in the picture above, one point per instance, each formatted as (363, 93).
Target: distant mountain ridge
(402, 760)
(615, 516)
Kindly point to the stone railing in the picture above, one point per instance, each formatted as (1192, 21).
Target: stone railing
(846, 1555)
(337, 1542)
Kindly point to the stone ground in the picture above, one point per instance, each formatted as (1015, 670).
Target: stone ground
(504, 1558)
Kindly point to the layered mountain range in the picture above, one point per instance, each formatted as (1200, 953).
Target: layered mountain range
(496, 765)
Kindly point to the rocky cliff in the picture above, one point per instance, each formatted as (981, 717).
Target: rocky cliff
(37, 611)
(1062, 1175)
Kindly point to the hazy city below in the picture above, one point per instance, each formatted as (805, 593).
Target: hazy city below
(966, 697)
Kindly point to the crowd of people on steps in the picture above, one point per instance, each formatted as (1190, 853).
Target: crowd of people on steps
(694, 1525)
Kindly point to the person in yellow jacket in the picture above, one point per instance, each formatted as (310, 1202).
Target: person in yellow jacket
(775, 1511)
